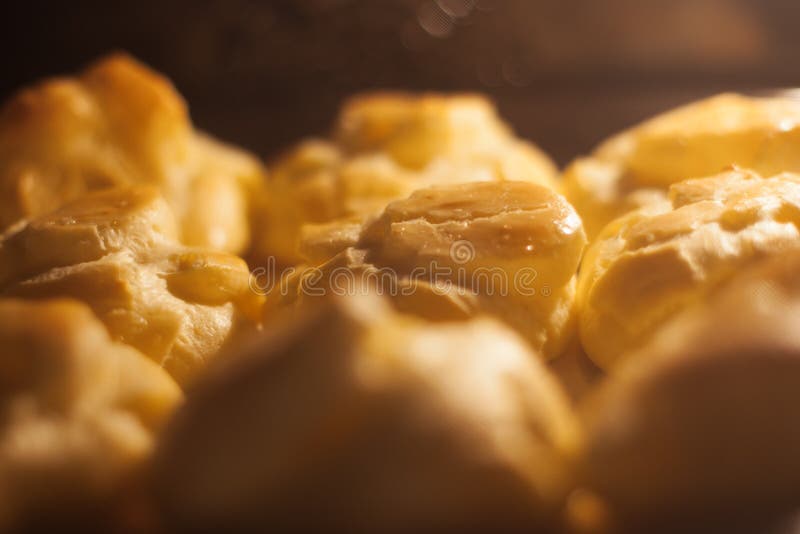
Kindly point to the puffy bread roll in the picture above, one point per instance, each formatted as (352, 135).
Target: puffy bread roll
(647, 265)
(384, 147)
(636, 167)
(507, 249)
(117, 251)
(117, 124)
(416, 130)
(356, 418)
(79, 414)
(700, 426)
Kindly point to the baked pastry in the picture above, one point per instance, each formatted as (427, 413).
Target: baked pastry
(120, 124)
(117, 250)
(384, 147)
(697, 430)
(356, 418)
(647, 265)
(507, 249)
(79, 414)
(635, 168)
(416, 130)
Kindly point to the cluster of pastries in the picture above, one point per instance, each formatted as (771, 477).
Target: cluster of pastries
(383, 148)
(415, 324)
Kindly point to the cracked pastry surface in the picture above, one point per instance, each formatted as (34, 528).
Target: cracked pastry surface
(120, 124)
(117, 250)
(506, 249)
(79, 413)
(387, 423)
(654, 262)
(385, 146)
(636, 167)
(700, 425)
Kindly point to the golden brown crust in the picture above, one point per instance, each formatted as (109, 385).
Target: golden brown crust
(652, 263)
(505, 249)
(635, 168)
(116, 250)
(385, 146)
(414, 129)
(120, 123)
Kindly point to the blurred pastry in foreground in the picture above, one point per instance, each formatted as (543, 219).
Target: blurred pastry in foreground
(119, 123)
(79, 416)
(699, 428)
(384, 147)
(636, 167)
(576, 373)
(117, 250)
(506, 249)
(355, 418)
(650, 264)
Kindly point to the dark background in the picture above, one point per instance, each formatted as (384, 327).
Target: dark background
(564, 73)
